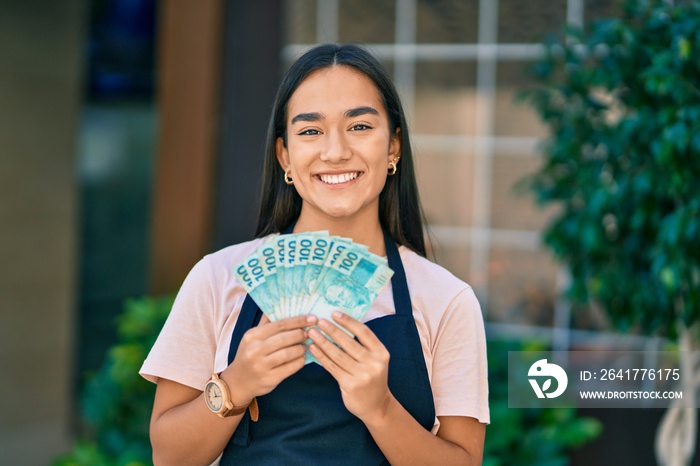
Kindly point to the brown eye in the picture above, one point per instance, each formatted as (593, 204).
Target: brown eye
(310, 132)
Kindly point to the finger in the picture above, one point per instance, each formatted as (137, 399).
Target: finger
(290, 323)
(364, 335)
(264, 320)
(336, 355)
(285, 355)
(291, 367)
(288, 368)
(284, 339)
(345, 341)
(327, 363)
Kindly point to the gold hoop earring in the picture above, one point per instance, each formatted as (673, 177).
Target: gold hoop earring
(392, 168)
(287, 179)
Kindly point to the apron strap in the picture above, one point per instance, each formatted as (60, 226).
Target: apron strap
(399, 285)
(248, 318)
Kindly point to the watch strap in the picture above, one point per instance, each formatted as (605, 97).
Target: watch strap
(253, 409)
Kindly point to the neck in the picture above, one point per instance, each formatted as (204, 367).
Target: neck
(363, 231)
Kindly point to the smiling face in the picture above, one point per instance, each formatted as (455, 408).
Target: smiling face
(339, 145)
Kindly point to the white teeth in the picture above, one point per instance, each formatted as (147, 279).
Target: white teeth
(337, 179)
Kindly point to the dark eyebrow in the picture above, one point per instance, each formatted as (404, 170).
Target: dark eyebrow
(354, 112)
(314, 116)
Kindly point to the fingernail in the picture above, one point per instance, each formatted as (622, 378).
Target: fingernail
(323, 323)
(313, 333)
(338, 315)
(311, 318)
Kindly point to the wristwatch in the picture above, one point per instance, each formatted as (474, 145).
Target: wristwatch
(218, 399)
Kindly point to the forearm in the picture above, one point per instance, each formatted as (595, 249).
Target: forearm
(190, 434)
(405, 442)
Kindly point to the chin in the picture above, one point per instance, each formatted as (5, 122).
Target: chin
(340, 210)
(340, 213)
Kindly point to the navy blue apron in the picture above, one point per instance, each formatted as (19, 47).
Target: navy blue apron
(303, 421)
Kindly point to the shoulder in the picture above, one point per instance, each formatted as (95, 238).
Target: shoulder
(194, 340)
(441, 301)
(213, 279)
(426, 278)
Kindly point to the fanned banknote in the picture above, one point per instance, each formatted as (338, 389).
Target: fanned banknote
(313, 273)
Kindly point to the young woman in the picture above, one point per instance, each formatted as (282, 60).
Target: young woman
(410, 389)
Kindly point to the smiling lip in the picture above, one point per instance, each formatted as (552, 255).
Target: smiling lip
(338, 178)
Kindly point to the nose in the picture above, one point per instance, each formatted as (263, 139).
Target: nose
(337, 148)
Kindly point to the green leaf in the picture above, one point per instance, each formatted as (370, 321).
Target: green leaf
(627, 227)
(117, 401)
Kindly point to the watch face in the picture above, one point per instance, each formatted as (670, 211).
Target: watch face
(213, 396)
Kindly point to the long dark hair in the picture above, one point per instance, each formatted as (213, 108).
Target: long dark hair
(399, 207)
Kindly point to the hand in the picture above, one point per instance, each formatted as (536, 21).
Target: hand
(361, 368)
(267, 354)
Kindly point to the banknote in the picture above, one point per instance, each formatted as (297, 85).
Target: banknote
(250, 274)
(267, 254)
(303, 250)
(290, 254)
(317, 258)
(278, 245)
(313, 273)
(350, 283)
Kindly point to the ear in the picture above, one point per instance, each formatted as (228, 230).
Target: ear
(282, 154)
(395, 145)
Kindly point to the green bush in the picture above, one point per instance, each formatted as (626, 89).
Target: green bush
(117, 402)
(622, 102)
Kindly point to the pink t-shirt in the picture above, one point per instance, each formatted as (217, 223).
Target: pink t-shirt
(195, 340)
